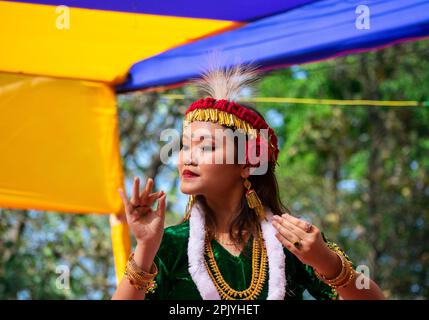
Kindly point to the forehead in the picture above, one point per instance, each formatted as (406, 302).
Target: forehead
(201, 129)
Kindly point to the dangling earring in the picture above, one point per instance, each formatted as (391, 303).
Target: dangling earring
(191, 201)
(253, 200)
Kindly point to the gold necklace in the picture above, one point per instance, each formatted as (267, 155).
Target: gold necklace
(259, 268)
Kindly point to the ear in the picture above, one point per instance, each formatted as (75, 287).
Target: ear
(245, 171)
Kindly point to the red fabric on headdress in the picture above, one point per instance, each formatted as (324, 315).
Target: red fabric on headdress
(257, 151)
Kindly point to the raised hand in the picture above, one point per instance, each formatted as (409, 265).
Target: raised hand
(303, 239)
(146, 224)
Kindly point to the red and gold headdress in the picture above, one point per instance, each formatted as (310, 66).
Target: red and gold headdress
(222, 86)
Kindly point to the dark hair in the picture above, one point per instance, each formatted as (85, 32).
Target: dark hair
(266, 187)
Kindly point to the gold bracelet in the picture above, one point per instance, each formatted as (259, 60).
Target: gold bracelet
(347, 272)
(140, 279)
(148, 285)
(142, 274)
(352, 274)
(339, 278)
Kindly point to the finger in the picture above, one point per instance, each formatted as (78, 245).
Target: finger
(155, 195)
(286, 233)
(147, 189)
(287, 244)
(135, 194)
(160, 209)
(297, 222)
(123, 197)
(128, 212)
(150, 199)
(289, 225)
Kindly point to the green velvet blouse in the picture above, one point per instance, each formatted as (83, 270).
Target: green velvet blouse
(175, 282)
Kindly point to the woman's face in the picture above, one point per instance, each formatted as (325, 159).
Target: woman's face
(206, 161)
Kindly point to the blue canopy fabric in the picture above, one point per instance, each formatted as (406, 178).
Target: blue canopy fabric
(313, 31)
(236, 10)
(140, 44)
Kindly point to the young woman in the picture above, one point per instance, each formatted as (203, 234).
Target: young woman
(236, 241)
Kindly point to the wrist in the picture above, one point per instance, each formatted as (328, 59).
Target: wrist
(331, 266)
(144, 256)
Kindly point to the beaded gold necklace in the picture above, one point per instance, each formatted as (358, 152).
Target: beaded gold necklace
(259, 269)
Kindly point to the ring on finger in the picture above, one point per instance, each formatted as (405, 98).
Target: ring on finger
(308, 227)
(297, 243)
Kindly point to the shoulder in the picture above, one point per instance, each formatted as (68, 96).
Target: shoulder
(174, 243)
(178, 231)
(175, 236)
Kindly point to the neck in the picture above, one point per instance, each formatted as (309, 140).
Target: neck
(225, 208)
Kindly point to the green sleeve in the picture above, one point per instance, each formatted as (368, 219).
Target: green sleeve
(316, 287)
(162, 282)
(163, 277)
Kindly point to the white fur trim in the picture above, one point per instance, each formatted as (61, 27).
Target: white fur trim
(197, 267)
(276, 260)
(200, 275)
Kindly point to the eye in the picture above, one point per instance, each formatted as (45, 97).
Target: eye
(208, 148)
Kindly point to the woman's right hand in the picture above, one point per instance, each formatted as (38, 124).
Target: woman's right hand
(146, 224)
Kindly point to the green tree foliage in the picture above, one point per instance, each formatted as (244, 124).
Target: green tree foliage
(38, 248)
(361, 172)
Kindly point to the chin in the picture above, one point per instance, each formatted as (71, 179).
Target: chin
(189, 188)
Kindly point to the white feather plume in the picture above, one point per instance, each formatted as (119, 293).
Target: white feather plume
(226, 82)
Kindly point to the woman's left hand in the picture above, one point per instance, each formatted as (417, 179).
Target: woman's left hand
(303, 239)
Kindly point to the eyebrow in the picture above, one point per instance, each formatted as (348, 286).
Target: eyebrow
(201, 137)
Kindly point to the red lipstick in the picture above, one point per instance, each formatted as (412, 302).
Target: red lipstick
(189, 174)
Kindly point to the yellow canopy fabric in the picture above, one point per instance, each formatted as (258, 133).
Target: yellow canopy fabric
(59, 142)
(121, 243)
(98, 45)
(59, 145)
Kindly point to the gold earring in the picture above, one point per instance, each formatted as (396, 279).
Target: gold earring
(191, 201)
(253, 200)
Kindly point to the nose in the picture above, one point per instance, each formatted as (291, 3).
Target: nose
(189, 157)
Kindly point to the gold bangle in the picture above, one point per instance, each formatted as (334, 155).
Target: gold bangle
(352, 274)
(347, 272)
(140, 279)
(140, 271)
(339, 278)
(146, 285)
